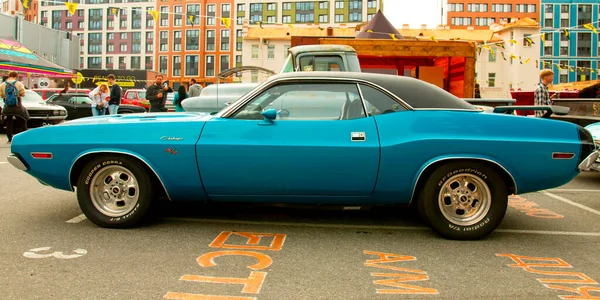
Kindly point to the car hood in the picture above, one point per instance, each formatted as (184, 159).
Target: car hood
(594, 129)
(42, 105)
(137, 118)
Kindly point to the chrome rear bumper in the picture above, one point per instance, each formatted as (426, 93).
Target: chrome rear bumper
(589, 163)
(16, 162)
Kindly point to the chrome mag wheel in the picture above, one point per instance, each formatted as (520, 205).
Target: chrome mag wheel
(114, 191)
(465, 199)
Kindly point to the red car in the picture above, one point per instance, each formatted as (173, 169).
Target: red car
(136, 97)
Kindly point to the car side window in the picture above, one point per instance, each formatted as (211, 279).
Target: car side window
(81, 100)
(321, 63)
(377, 102)
(131, 96)
(306, 101)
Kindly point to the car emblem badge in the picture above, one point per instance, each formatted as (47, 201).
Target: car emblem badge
(173, 151)
(358, 136)
(171, 138)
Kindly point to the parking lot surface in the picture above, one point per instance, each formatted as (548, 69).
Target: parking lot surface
(546, 248)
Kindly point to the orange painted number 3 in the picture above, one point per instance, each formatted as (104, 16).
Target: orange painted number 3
(231, 240)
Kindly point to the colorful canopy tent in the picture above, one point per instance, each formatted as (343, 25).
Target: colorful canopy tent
(16, 57)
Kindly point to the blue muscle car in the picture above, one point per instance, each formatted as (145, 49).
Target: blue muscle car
(339, 138)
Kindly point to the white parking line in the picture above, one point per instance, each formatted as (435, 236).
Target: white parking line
(380, 227)
(565, 200)
(573, 191)
(77, 219)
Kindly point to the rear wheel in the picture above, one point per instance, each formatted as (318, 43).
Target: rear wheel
(464, 200)
(115, 192)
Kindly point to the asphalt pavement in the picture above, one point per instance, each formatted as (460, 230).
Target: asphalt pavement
(546, 248)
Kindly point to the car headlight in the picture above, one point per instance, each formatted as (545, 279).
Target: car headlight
(63, 112)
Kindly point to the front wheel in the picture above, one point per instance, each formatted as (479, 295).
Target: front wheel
(115, 192)
(464, 200)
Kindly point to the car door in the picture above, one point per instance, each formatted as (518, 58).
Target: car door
(83, 105)
(321, 144)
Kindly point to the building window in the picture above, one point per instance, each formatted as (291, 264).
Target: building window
(270, 19)
(149, 63)
(491, 79)
(94, 62)
(123, 48)
(135, 62)
(210, 65)
(238, 60)
(271, 6)
(492, 56)
(271, 52)
(109, 48)
(583, 70)
(254, 51)
(325, 4)
(210, 40)
(193, 10)
(191, 65)
(177, 15)
(305, 18)
(584, 14)
(355, 17)
(211, 13)
(339, 4)
(109, 62)
(241, 7)
(286, 6)
(177, 40)
(584, 44)
(225, 10)
(192, 40)
(176, 65)
(548, 47)
(164, 41)
(164, 16)
(339, 18)
(286, 19)
(240, 20)
(370, 17)
(162, 64)
(526, 42)
(224, 65)
(323, 19)
(371, 4)
(124, 35)
(225, 40)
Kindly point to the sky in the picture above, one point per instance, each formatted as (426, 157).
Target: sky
(414, 12)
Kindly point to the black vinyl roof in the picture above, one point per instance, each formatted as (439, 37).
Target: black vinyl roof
(417, 93)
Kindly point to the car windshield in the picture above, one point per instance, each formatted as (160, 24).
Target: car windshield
(31, 97)
(141, 95)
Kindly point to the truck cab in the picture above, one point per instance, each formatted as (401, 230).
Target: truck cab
(321, 58)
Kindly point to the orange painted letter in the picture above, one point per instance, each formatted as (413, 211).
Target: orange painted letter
(252, 241)
(184, 296)
(252, 284)
(264, 261)
(405, 288)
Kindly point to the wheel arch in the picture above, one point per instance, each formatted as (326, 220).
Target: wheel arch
(432, 165)
(84, 158)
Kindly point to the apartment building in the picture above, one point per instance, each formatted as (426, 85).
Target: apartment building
(13, 7)
(579, 50)
(113, 35)
(199, 50)
(479, 14)
(274, 13)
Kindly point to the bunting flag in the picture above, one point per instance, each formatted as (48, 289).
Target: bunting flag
(512, 56)
(504, 57)
(529, 40)
(513, 42)
(71, 7)
(566, 33)
(559, 67)
(115, 11)
(536, 64)
(226, 22)
(591, 27)
(543, 38)
(192, 18)
(571, 69)
(501, 45)
(434, 39)
(260, 25)
(393, 36)
(291, 26)
(369, 31)
(154, 14)
(26, 3)
(527, 60)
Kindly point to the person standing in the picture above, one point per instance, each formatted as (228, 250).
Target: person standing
(195, 89)
(115, 95)
(157, 94)
(178, 98)
(541, 95)
(99, 100)
(11, 91)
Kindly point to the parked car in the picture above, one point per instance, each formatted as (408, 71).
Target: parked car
(338, 138)
(46, 93)
(136, 97)
(80, 105)
(594, 129)
(217, 96)
(40, 112)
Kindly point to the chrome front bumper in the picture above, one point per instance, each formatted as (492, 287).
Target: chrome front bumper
(590, 163)
(16, 162)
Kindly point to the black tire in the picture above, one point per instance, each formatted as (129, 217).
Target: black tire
(145, 191)
(125, 112)
(430, 205)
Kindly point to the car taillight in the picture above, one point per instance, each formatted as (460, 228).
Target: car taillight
(587, 144)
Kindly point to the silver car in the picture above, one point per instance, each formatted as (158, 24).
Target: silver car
(40, 112)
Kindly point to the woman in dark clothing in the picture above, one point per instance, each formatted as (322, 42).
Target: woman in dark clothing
(66, 89)
(477, 91)
(15, 117)
(178, 98)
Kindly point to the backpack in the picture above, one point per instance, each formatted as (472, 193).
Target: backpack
(11, 93)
